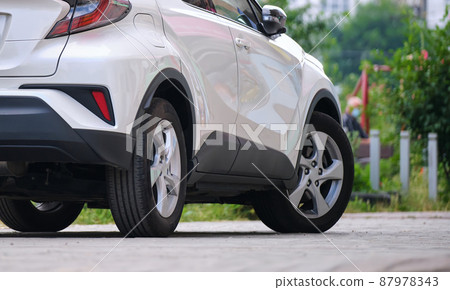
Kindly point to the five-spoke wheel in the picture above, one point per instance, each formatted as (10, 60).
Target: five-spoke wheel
(322, 171)
(325, 169)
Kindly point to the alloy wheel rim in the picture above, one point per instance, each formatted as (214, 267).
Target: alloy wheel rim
(165, 168)
(322, 174)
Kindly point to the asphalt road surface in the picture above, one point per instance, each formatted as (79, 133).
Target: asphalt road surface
(368, 242)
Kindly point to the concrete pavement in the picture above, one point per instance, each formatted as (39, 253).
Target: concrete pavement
(369, 242)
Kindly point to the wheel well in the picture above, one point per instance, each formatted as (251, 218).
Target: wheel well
(327, 106)
(172, 91)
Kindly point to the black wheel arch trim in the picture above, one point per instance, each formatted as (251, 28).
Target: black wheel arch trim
(176, 78)
(333, 112)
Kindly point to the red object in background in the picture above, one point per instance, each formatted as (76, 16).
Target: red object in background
(365, 99)
(363, 84)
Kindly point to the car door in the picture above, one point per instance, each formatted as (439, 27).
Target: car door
(269, 87)
(208, 59)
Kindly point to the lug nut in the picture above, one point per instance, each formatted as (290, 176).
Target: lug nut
(313, 164)
(320, 171)
(316, 183)
(306, 171)
(309, 183)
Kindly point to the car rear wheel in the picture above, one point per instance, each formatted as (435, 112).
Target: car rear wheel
(323, 192)
(148, 199)
(30, 216)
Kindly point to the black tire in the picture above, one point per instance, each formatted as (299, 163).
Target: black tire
(25, 216)
(131, 196)
(276, 210)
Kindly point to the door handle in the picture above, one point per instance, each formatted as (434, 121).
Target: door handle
(242, 43)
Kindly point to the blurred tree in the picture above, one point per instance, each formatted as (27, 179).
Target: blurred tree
(380, 25)
(304, 29)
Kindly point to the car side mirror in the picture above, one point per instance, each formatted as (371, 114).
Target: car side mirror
(273, 20)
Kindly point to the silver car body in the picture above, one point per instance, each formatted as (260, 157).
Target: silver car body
(235, 77)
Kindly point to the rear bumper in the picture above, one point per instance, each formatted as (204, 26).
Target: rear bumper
(30, 130)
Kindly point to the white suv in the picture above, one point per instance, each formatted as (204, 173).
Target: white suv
(141, 106)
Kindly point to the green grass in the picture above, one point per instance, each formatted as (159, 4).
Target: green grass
(217, 212)
(92, 216)
(191, 213)
(415, 200)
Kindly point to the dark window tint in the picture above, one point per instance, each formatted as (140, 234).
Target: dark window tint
(71, 2)
(237, 10)
(257, 11)
(205, 4)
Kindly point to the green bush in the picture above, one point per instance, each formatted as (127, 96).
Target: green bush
(361, 182)
(417, 89)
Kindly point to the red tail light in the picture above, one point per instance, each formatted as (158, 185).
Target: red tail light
(89, 14)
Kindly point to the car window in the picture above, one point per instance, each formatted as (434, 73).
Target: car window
(257, 11)
(205, 4)
(237, 10)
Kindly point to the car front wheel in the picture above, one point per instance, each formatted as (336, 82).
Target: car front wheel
(325, 183)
